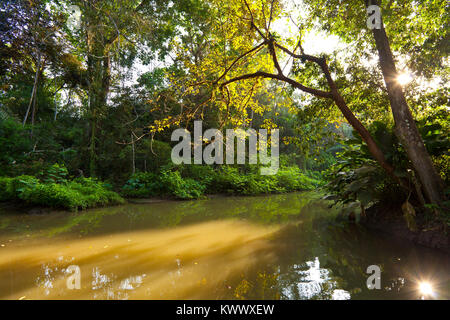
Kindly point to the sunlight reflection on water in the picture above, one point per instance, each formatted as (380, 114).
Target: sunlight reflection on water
(315, 282)
(174, 263)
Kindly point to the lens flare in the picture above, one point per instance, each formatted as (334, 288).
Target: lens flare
(404, 78)
(425, 288)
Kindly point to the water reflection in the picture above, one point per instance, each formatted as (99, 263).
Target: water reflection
(176, 263)
(313, 282)
(274, 247)
(262, 209)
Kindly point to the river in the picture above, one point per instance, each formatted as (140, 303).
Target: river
(288, 246)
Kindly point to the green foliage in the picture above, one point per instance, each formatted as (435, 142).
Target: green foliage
(193, 181)
(14, 144)
(229, 180)
(181, 188)
(167, 183)
(141, 185)
(53, 195)
(442, 164)
(55, 174)
(6, 191)
(80, 193)
(204, 173)
(357, 178)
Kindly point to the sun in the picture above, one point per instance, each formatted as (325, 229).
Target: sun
(404, 78)
(425, 288)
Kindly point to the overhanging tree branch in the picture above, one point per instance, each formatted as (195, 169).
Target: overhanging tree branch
(239, 58)
(333, 94)
(262, 74)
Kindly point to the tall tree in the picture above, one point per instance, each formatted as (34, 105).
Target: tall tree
(406, 128)
(29, 39)
(255, 20)
(418, 37)
(253, 26)
(119, 31)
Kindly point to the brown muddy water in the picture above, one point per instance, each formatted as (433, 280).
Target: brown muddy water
(270, 247)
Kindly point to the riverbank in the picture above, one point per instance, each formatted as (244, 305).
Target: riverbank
(58, 192)
(388, 219)
(27, 208)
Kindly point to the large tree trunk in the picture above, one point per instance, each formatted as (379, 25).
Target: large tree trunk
(98, 93)
(99, 75)
(405, 127)
(33, 92)
(374, 149)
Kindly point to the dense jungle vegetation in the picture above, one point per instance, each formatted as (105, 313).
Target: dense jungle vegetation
(90, 92)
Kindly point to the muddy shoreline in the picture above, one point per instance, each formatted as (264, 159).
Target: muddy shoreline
(388, 219)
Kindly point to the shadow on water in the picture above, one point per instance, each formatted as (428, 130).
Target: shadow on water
(274, 247)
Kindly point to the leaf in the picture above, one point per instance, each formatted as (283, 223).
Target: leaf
(409, 214)
(357, 185)
(365, 197)
(365, 170)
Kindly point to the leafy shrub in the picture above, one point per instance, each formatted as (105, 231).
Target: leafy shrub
(357, 178)
(289, 178)
(181, 188)
(229, 180)
(6, 190)
(168, 182)
(54, 195)
(81, 193)
(56, 173)
(95, 193)
(259, 184)
(21, 183)
(192, 181)
(141, 185)
(203, 173)
(308, 183)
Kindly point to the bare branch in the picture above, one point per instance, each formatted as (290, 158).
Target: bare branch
(274, 56)
(271, 15)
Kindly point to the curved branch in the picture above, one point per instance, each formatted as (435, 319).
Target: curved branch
(320, 61)
(280, 77)
(274, 56)
(308, 57)
(237, 59)
(253, 25)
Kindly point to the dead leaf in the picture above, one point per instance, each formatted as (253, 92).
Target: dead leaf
(409, 214)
